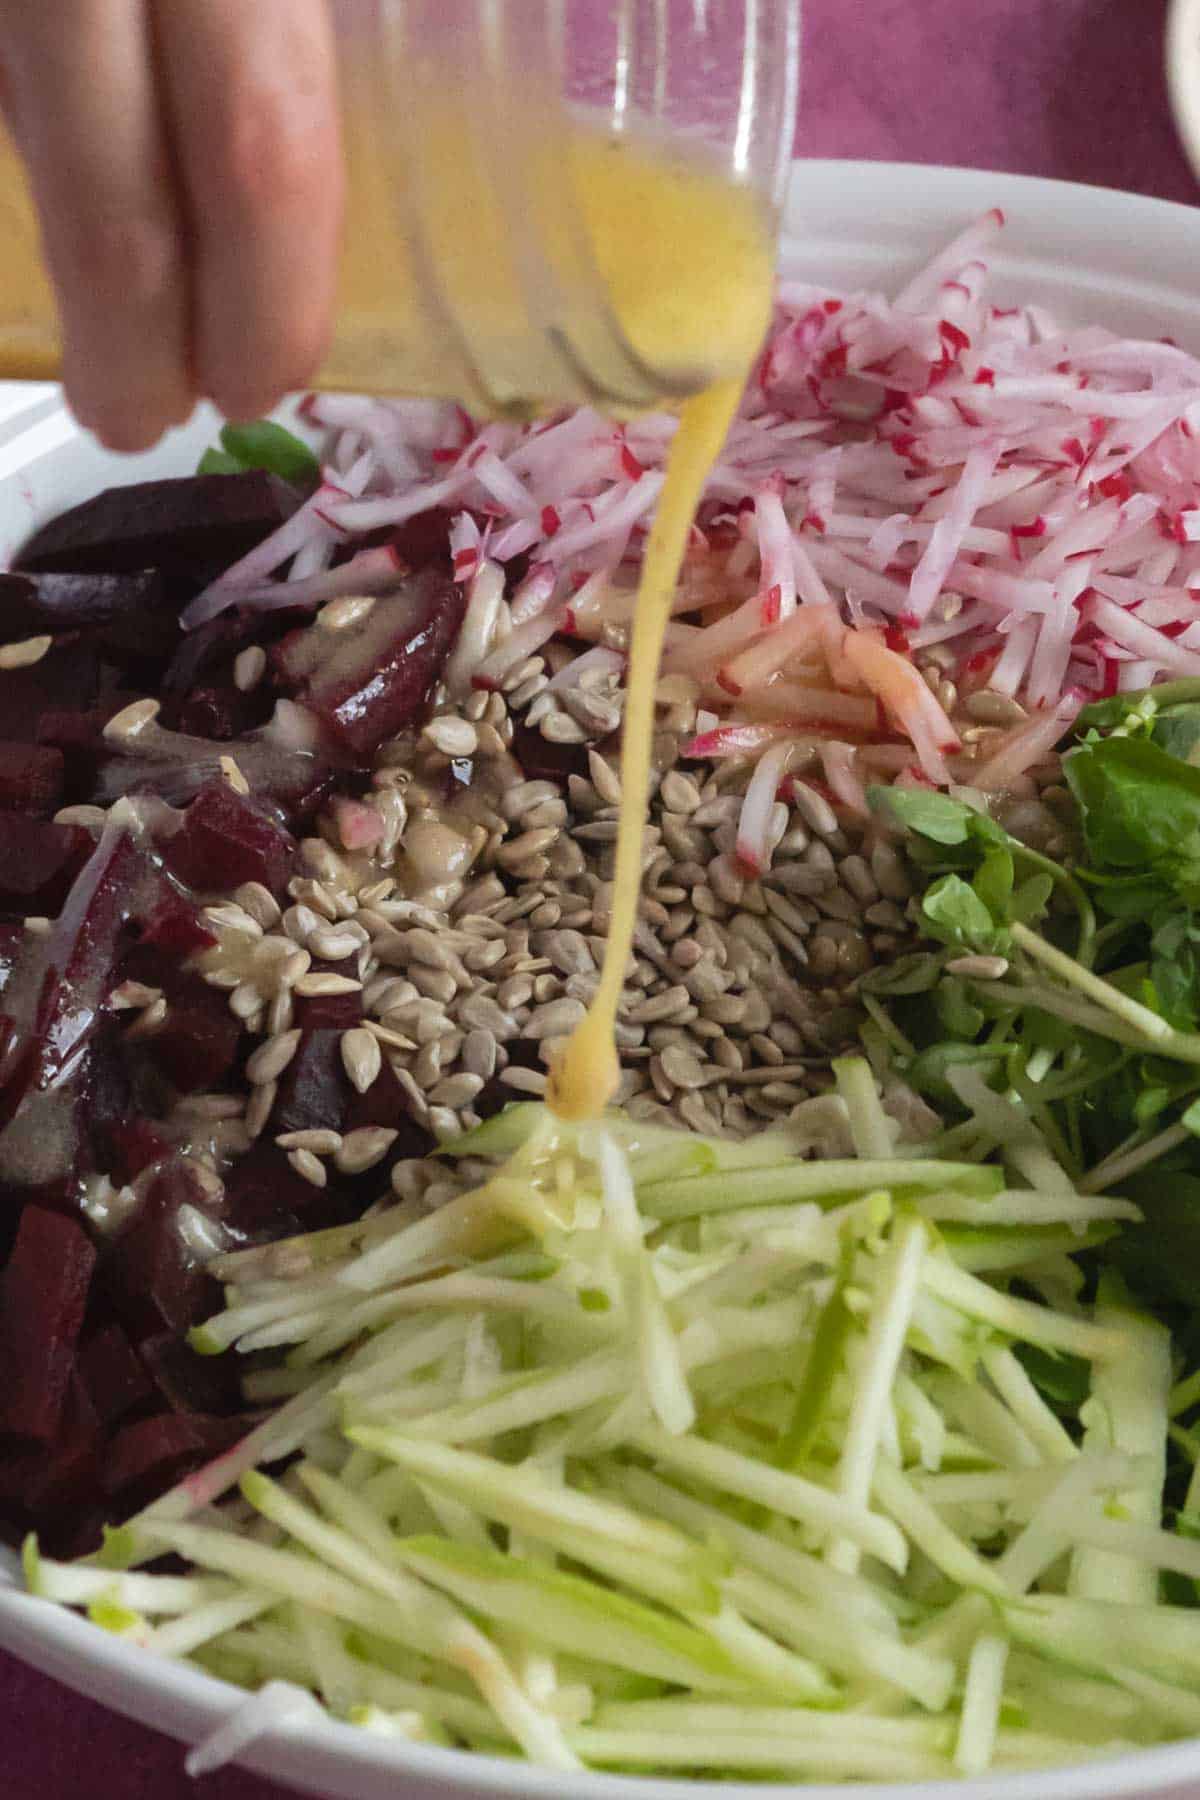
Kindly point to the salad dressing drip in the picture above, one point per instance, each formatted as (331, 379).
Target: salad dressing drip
(585, 1079)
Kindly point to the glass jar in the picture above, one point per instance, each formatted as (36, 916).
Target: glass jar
(550, 198)
(550, 202)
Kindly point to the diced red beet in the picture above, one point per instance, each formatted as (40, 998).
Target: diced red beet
(334, 1010)
(43, 1294)
(265, 1199)
(423, 542)
(153, 1277)
(207, 653)
(175, 925)
(38, 862)
(80, 952)
(31, 778)
(187, 1382)
(314, 1093)
(113, 1376)
(543, 761)
(226, 839)
(131, 1146)
(33, 604)
(221, 711)
(188, 528)
(197, 1042)
(386, 1103)
(44, 1482)
(371, 680)
(153, 1454)
(66, 679)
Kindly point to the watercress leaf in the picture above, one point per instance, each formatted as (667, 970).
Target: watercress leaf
(1031, 899)
(218, 462)
(1190, 1119)
(993, 880)
(1178, 733)
(934, 815)
(958, 1013)
(928, 1071)
(266, 445)
(913, 974)
(954, 914)
(1140, 810)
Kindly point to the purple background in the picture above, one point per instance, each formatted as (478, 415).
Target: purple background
(1072, 88)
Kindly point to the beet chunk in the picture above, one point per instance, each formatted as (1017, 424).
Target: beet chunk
(31, 778)
(196, 1043)
(32, 604)
(43, 1294)
(38, 863)
(313, 1090)
(153, 1454)
(190, 528)
(113, 1376)
(66, 679)
(226, 839)
(154, 1279)
(265, 1199)
(222, 712)
(188, 1382)
(175, 925)
(334, 1010)
(375, 679)
(55, 1482)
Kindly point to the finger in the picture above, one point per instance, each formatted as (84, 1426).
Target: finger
(252, 97)
(82, 86)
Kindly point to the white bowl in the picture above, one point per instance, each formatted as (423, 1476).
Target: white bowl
(1113, 258)
(1183, 74)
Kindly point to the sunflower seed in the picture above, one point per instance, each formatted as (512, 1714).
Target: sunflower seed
(24, 654)
(129, 721)
(310, 1168)
(313, 987)
(525, 1081)
(451, 736)
(321, 1142)
(456, 1091)
(362, 1149)
(362, 1058)
(336, 946)
(979, 968)
(91, 818)
(233, 774)
(259, 1107)
(269, 1061)
(249, 667)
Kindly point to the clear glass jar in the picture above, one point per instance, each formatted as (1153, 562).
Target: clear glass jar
(550, 202)
(545, 195)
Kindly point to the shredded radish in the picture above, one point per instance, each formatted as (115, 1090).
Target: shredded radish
(924, 471)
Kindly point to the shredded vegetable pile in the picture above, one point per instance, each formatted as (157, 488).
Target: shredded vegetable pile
(652, 1452)
(930, 470)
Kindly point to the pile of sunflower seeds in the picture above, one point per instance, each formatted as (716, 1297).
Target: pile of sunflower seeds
(476, 927)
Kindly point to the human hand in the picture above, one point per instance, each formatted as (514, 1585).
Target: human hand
(185, 162)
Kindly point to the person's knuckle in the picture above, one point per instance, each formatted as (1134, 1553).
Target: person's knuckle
(274, 160)
(126, 253)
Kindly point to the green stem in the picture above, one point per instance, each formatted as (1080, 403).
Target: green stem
(1161, 1038)
(1085, 950)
